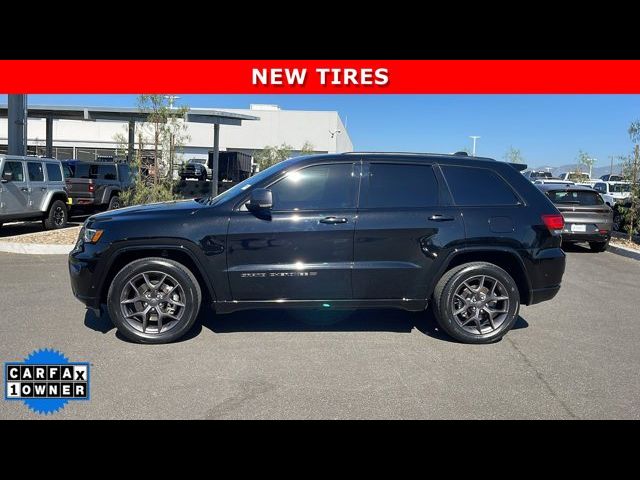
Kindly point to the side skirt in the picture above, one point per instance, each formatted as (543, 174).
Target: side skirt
(412, 305)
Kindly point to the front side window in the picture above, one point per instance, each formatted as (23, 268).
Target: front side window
(400, 185)
(600, 187)
(320, 187)
(36, 174)
(53, 172)
(15, 168)
(472, 186)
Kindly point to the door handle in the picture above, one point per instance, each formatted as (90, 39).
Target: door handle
(43, 189)
(440, 218)
(24, 189)
(333, 220)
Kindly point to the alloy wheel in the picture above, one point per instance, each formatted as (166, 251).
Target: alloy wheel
(480, 304)
(152, 302)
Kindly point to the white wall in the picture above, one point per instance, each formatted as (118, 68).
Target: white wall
(274, 128)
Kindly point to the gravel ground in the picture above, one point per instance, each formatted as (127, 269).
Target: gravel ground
(64, 236)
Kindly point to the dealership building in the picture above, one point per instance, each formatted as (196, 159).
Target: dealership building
(324, 131)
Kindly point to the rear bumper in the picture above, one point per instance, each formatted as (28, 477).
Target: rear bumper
(543, 294)
(545, 274)
(586, 237)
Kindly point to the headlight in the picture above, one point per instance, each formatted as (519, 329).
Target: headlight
(91, 235)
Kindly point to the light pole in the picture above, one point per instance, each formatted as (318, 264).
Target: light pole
(474, 137)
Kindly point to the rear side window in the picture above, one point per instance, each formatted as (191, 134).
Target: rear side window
(575, 197)
(36, 174)
(478, 186)
(54, 174)
(15, 168)
(398, 185)
(107, 172)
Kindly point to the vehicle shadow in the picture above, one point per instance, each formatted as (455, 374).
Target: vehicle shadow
(301, 320)
(21, 228)
(577, 248)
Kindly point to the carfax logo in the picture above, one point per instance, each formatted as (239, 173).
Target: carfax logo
(46, 381)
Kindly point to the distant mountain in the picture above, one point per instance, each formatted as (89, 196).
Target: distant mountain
(597, 171)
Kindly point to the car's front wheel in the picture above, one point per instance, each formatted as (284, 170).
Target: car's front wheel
(476, 302)
(56, 217)
(154, 300)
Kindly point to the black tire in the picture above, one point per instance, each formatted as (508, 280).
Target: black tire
(452, 280)
(114, 203)
(186, 279)
(57, 216)
(203, 176)
(599, 246)
(617, 221)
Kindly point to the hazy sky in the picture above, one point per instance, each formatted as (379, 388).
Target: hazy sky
(548, 129)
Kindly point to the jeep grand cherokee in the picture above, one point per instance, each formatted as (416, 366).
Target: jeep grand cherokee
(472, 237)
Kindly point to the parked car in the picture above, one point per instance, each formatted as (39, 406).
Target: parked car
(613, 192)
(611, 178)
(471, 236)
(553, 180)
(586, 217)
(533, 175)
(96, 186)
(577, 177)
(196, 168)
(32, 188)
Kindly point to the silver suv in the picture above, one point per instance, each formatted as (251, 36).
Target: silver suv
(32, 188)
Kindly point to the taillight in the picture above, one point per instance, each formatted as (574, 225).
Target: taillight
(554, 221)
(91, 187)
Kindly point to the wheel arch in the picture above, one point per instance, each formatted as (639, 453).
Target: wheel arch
(505, 258)
(178, 253)
(52, 197)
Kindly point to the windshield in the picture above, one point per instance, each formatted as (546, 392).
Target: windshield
(575, 197)
(245, 184)
(198, 160)
(620, 188)
(541, 175)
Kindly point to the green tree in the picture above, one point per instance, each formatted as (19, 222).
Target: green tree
(631, 171)
(307, 148)
(270, 155)
(513, 155)
(584, 159)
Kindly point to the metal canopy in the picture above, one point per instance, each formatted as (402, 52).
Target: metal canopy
(194, 115)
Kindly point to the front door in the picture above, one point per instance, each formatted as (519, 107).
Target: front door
(14, 195)
(37, 185)
(303, 250)
(405, 223)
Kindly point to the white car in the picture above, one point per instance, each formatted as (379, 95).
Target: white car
(546, 181)
(613, 192)
(582, 177)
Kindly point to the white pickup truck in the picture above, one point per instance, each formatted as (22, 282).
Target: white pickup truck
(613, 192)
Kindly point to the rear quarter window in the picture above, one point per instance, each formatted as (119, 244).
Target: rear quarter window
(473, 186)
(54, 174)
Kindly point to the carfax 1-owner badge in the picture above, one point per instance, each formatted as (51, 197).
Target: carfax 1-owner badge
(46, 380)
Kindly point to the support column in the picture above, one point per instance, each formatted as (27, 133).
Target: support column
(216, 155)
(17, 116)
(132, 139)
(49, 138)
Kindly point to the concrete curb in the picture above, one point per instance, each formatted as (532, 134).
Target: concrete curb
(625, 252)
(35, 248)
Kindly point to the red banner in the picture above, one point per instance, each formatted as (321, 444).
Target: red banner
(320, 76)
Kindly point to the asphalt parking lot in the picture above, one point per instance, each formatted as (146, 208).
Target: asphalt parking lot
(575, 357)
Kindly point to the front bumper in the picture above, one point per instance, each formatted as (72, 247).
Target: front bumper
(82, 274)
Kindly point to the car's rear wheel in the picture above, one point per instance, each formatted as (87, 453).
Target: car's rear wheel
(114, 203)
(154, 300)
(599, 246)
(476, 302)
(56, 217)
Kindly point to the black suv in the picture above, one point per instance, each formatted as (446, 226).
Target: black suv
(472, 236)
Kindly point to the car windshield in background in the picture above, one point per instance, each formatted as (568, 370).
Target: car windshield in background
(541, 175)
(575, 197)
(620, 188)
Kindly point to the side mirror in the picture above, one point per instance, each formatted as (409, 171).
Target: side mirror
(260, 200)
(7, 177)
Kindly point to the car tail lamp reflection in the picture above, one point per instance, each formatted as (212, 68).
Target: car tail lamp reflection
(91, 187)
(553, 222)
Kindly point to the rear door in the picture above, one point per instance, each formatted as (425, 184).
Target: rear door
(37, 185)
(405, 222)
